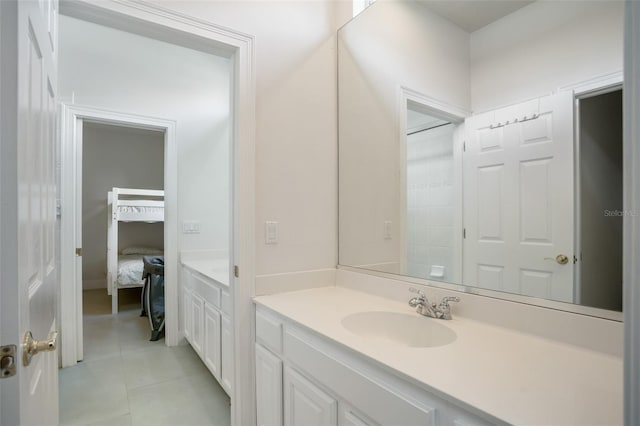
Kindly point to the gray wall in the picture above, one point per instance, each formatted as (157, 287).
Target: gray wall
(121, 157)
(601, 189)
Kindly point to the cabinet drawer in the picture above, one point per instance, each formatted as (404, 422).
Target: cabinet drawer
(459, 417)
(381, 404)
(206, 289)
(269, 331)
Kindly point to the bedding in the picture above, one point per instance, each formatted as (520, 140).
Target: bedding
(130, 269)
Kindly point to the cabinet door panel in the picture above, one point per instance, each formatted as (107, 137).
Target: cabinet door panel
(212, 350)
(305, 404)
(186, 313)
(197, 319)
(227, 354)
(348, 416)
(268, 388)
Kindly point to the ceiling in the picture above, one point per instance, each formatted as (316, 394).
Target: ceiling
(471, 15)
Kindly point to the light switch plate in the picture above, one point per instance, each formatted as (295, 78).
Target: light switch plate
(271, 232)
(387, 229)
(190, 227)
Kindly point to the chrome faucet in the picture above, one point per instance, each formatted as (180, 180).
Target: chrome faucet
(424, 307)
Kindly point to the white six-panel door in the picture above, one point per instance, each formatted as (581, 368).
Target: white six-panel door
(29, 207)
(518, 207)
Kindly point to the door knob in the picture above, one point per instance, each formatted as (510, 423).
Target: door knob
(560, 259)
(31, 347)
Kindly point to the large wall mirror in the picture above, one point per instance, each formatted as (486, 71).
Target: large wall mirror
(480, 147)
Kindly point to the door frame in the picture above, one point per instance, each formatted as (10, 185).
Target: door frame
(72, 118)
(586, 89)
(445, 111)
(631, 223)
(155, 21)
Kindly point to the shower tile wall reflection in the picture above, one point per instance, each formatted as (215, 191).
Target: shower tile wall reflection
(430, 203)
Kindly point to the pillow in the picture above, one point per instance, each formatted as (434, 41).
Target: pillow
(141, 250)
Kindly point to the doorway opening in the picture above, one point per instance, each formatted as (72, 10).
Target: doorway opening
(599, 193)
(193, 93)
(71, 107)
(118, 157)
(430, 217)
(431, 158)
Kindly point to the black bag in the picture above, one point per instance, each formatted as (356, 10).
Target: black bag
(153, 294)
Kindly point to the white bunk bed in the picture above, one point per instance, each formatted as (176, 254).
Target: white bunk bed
(128, 205)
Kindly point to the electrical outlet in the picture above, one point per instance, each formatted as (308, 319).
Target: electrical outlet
(271, 232)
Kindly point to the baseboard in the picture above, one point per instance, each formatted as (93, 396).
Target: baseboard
(293, 281)
(100, 283)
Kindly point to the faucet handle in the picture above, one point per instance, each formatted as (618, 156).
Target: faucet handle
(445, 300)
(420, 300)
(444, 309)
(421, 294)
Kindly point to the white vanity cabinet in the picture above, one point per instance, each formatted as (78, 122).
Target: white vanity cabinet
(197, 323)
(304, 378)
(207, 325)
(186, 310)
(348, 416)
(213, 342)
(305, 403)
(226, 375)
(268, 388)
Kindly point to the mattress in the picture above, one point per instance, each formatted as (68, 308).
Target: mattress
(130, 270)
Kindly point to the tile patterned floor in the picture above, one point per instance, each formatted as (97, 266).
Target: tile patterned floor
(125, 379)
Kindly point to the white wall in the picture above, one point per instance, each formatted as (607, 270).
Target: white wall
(296, 164)
(121, 157)
(296, 170)
(116, 70)
(390, 44)
(544, 46)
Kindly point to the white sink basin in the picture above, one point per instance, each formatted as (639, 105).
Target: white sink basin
(413, 330)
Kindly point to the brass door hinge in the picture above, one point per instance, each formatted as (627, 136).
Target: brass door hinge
(236, 271)
(79, 251)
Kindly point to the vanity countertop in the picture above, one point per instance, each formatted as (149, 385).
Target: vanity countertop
(515, 377)
(216, 269)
